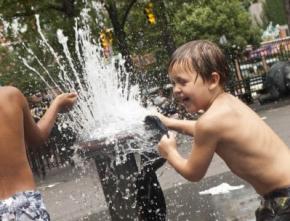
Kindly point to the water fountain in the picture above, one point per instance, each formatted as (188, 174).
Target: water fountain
(109, 120)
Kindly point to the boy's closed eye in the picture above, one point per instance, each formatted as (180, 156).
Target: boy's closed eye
(182, 82)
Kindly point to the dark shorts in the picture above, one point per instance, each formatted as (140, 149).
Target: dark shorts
(24, 206)
(275, 206)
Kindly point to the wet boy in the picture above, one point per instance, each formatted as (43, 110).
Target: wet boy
(228, 127)
(18, 198)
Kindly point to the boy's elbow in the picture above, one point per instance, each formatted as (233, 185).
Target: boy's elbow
(36, 141)
(195, 177)
(41, 141)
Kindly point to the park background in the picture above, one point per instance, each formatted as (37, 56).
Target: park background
(253, 35)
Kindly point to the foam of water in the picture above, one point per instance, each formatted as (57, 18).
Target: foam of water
(221, 189)
(105, 106)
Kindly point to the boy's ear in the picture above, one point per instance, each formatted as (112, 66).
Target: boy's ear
(214, 80)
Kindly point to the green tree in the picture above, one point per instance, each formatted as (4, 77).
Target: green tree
(177, 21)
(135, 36)
(13, 73)
(21, 29)
(247, 3)
(274, 12)
(214, 19)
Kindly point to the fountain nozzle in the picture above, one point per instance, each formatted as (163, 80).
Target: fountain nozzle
(155, 123)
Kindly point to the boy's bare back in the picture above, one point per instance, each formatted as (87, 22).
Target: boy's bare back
(247, 144)
(13, 161)
(18, 130)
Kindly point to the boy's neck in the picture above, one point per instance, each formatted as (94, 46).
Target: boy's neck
(216, 94)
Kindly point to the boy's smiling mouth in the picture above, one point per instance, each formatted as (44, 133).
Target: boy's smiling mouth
(183, 100)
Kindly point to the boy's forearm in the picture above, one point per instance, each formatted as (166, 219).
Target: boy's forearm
(46, 123)
(182, 126)
(179, 164)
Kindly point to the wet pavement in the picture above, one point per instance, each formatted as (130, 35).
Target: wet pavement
(190, 205)
(74, 194)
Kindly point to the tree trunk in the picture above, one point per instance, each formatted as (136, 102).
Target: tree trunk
(120, 35)
(68, 7)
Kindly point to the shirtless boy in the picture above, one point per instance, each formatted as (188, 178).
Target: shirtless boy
(228, 127)
(18, 198)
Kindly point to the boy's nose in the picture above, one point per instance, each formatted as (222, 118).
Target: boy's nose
(176, 90)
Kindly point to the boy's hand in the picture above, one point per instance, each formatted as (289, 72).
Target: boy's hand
(163, 118)
(167, 145)
(65, 101)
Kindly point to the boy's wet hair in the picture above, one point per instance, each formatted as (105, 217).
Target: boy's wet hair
(201, 56)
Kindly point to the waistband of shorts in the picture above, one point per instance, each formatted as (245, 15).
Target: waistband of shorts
(22, 195)
(18, 200)
(27, 192)
(283, 192)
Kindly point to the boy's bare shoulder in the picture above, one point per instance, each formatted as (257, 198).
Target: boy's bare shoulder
(214, 120)
(11, 92)
(8, 90)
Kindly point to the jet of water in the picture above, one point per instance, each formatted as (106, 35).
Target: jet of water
(105, 106)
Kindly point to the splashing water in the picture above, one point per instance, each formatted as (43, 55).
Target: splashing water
(105, 106)
(221, 189)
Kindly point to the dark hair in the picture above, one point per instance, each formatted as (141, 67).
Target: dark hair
(201, 56)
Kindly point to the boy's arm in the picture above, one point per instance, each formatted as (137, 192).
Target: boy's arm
(195, 167)
(36, 134)
(182, 126)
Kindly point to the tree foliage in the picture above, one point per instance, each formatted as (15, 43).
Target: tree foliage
(274, 12)
(178, 21)
(214, 19)
(18, 20)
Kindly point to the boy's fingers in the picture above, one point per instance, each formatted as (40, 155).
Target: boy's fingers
(72, 94)
(172, 134)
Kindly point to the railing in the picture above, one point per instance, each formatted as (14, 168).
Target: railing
(248, 74)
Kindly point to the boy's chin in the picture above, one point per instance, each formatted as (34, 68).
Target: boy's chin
(191, 109)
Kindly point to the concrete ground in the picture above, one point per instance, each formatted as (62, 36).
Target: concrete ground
(74, 194)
